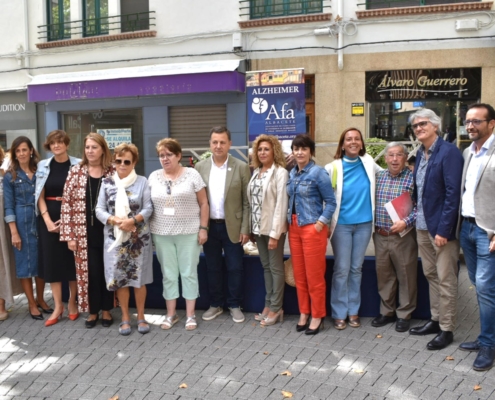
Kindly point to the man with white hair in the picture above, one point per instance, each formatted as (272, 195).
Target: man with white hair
(437, 179)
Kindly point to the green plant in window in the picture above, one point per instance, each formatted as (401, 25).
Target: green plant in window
(375, 149)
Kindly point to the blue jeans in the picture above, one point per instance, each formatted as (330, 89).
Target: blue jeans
(481, 269)
(218, 240)
(349, 243)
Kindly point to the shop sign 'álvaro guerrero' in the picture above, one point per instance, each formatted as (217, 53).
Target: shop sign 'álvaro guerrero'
(445, 83)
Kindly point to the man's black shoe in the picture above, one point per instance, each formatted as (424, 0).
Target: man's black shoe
(442, 340)
(382, 320)
(427, 329)
(402, 325)
(484, 360)
(470, 346)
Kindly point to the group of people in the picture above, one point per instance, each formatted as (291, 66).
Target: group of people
(97, 221)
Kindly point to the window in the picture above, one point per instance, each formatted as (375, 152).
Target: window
(58, 13)
(135, 15)
(309, 94)
(95, 17)
(280, 8)
(373, 4)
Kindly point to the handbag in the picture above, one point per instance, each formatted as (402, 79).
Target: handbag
(289, 273)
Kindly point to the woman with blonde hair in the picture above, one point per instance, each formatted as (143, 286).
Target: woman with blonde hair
(267, 194)
(83, 232)
(9, 285)
(124, 206)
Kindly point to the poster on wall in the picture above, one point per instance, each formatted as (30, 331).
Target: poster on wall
(114, 137)
(276, 103)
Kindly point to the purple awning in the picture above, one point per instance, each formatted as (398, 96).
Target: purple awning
(224, 81)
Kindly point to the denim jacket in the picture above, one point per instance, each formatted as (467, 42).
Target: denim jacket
(312, 195)
(42, 175)
(18, 195)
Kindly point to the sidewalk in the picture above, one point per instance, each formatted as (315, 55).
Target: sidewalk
(224, 360)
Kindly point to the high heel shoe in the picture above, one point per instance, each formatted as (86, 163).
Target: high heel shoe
(45, 310)
(300, 328)
(37, 317)
(316, 330)
(272, 321)
(50, 322)
(260, 316)
(73, 317)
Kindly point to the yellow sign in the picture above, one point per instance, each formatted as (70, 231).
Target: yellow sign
(357, 109)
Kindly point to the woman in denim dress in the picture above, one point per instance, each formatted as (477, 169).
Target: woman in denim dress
(311, 206)
(19, 203)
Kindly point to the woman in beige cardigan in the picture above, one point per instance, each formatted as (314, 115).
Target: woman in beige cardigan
(268, 199)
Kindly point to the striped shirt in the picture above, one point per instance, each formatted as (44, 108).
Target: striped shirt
(389, 187)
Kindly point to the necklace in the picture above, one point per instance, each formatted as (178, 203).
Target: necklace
(91, 204)
(171, 181)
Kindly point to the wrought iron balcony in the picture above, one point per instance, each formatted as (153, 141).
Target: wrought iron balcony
(256, 9)
(374, 4)
(97, 26)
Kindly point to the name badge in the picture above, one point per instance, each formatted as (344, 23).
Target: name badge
(168, 211)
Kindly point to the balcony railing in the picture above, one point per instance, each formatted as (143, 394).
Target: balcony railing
(97, 26)
(257, 9)
(372, 4)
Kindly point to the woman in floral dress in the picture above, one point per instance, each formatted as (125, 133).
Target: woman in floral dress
(124, 206)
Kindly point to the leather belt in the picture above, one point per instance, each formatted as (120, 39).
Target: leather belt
(217, 221)
(383, 232)
(471, 219)
(54, 198)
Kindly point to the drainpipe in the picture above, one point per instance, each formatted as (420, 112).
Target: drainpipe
(340, 52)
(26, 38)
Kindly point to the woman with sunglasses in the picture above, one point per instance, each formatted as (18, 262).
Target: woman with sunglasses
(179, 227)
(83, 232)
(56, 261)
(124, 206)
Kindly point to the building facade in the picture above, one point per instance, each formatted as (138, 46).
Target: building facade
(146, 69)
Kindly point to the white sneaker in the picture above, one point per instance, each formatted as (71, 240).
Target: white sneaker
(237, 315)
(212, 313)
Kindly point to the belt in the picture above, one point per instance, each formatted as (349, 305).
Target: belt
(217, 221)
(54, 198)
(471, 219)
(383, 232)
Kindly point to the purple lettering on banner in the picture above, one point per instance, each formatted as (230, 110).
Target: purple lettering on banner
(231, 81)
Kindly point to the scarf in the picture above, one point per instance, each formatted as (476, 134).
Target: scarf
(122, 208)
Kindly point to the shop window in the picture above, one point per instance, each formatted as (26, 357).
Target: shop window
(58, 15)
(374, 4)
(191, 125)
(309, 91)
(135, 15)
(96, 21)
(279, 8)
(116, 126)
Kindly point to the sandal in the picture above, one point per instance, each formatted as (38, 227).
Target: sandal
(191, 323)
(169, 321)
(125, 331)
(354, 321)
(143, 329)
(339, 324)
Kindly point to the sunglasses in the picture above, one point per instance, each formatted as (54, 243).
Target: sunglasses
(421, 124)
(118, 161)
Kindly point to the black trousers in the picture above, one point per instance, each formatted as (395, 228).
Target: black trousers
(98, 296)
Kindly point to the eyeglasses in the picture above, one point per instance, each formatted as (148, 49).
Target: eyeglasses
(165, 156)
(421, 124)
(394, 155)
(118, 161)
(475, 122)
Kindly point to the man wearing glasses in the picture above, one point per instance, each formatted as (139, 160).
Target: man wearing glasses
(437, 180)
(478, 226)
(226, 181)
(396, 250)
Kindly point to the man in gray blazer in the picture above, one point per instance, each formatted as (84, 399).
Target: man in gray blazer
(478, 226)
(226, 181)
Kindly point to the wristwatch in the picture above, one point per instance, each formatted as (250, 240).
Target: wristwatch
(203, 227)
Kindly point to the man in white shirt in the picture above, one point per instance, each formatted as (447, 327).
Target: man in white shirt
(477, 233)
(226, 181)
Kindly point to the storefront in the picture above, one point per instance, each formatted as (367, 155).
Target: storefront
(17, 118)
(142, 105)
(392, 96)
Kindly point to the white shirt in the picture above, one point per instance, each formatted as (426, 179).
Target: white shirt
(218, 175)
(472, 176)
